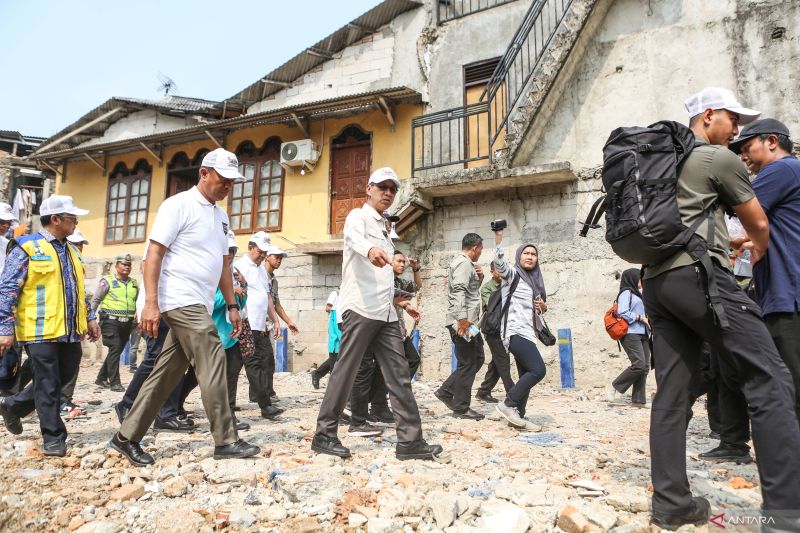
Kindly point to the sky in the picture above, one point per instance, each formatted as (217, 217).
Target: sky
(61, 59)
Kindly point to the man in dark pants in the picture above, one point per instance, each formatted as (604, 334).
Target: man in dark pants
(679, 298)
(369, 322)
(43, 305)
(115, 301)
(272, 263)
(766, 149)
(464, 307)
(500, 366)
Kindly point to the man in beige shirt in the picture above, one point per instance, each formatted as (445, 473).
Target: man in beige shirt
(464, 307)
(369, 321)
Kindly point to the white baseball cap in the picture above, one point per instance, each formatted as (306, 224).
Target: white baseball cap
(384, 174)
(274, 250)
(56, 204)
(718, 98)
(232, 240)
(224, 162)
(6, 213)
(262, 240)
(77, 237)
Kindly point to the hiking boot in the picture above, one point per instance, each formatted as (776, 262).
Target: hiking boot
(329, 446)
(55, 448)
(315, 379)
(237, 450)
(511, 414)
(418, 449)
(698, 514)
(131, 450)
(12, 422)
(364, 430)
(725, 453)
(486, 397)
(270, 412)
(445, 398)
(469, 414)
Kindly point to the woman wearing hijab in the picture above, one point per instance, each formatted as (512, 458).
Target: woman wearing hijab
(636, 343)
(518, 330)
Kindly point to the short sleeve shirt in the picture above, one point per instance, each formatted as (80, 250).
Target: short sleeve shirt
(194, 231)
(257, 292)
(777, 275)
(711, 173)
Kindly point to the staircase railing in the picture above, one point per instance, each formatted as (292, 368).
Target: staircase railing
(466, 135)
(454, 9)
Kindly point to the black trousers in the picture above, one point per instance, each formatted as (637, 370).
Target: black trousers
(682, 319)
(376, 392)
(359, 336)
(327, 365)
(638, 349)
(784, 328)
(115, 336)
(470, 359)
(499, 367)
(257, 367)
(154, 345)
(53, 363)
(68, 388)
(531, 369)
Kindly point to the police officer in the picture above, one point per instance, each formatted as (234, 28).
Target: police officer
(115, 298)
(43, 304)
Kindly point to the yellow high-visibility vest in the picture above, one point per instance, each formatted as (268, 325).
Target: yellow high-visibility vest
(41, 312)
(121, 297)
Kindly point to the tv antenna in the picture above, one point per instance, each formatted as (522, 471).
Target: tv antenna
(167, 85)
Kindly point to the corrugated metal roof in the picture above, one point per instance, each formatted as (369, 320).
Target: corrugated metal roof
(322, 51)
(318, 108)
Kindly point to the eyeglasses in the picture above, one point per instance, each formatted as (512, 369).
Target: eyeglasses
(389, 188)
(67, 216)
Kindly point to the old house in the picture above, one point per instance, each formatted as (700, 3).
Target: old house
(487, 109)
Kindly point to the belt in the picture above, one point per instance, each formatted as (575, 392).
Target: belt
(120, 318)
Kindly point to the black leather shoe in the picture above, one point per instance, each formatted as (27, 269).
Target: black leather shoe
(383, 415)
(131, 449)
(418, 449)
(121, 411)
(102, 383)
(725, 453)
(713, 435)
(444, 398)
(240, 426)
(698, 514)
(329, 446)
(315, 379)
(185, 418)
(238, 450)
(117, 387)
(172, 424)
(346, 418)
(55, 448)
(486, 397)
(469, 414)
(270, 412)
(12, 422)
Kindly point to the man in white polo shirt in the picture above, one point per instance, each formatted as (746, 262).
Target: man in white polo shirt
(259, 307)
(183, 268)
(369, 321)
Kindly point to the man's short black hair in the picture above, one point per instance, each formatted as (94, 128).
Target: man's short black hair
(784, 142)
(398, 252)
(471, 240)
(46, 220)
(251, 244)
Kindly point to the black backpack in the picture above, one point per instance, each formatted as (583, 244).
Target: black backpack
(640, 177)
(496, 315)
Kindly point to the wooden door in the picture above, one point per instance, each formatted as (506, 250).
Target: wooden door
(350, 172)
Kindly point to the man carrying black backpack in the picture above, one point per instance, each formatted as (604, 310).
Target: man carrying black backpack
(684, 313)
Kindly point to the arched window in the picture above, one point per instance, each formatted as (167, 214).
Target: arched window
(128, 200)
(257, 203)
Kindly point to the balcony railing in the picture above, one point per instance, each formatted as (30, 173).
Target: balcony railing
(466, 136)
(453, 9)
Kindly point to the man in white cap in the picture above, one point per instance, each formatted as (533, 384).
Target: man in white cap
(272, 263)
(678, 300)
(260, 310)
(78, 240)
(7, 219)
(369, 322)
(43, 305)
(184, 266)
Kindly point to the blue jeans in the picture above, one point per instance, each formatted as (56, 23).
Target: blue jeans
(531, 369)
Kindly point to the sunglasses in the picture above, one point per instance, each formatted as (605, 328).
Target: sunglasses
(390, 188)
(65, 216)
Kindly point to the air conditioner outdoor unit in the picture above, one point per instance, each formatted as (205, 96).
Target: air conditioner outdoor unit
(303, 153)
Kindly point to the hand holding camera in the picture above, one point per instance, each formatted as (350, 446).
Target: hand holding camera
(497, 227)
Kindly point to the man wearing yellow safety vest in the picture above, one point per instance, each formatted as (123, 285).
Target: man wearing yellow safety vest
(115, 299)
(44, 305)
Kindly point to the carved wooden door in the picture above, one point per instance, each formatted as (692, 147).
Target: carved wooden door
(350, 172)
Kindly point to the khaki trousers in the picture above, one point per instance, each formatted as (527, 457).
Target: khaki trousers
(192, 340)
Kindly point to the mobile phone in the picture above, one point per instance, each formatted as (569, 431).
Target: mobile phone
(400, 292)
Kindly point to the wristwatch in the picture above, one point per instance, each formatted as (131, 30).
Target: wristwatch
(234, 306)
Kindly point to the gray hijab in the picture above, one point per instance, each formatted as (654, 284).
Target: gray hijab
(532, 277)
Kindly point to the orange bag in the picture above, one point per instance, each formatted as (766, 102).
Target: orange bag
(616, 326)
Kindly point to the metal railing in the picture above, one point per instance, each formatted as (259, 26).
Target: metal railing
(454, 9)
(467, 134)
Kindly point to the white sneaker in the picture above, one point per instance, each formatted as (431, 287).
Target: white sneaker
(611, 393)
(511, 414)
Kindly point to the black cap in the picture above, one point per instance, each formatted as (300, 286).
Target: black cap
(765, 126)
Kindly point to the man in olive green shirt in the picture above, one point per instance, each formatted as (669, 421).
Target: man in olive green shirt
(500, 366)
(464, 308)
(677, 302)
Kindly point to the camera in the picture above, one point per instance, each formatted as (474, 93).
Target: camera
(499, 224)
